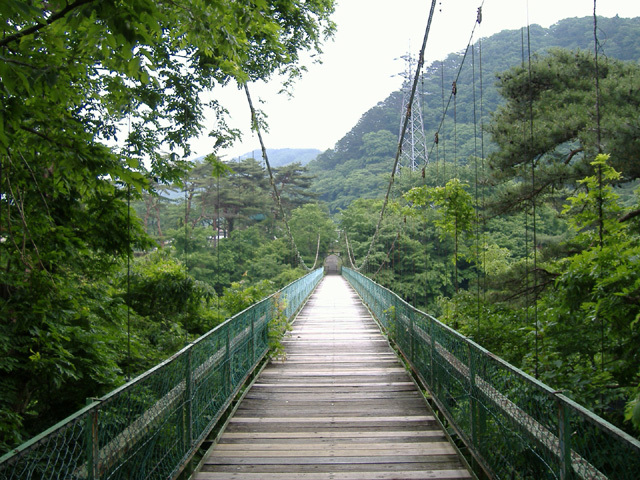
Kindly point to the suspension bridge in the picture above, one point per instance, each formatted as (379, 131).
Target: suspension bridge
(368, 387)
(340, 405)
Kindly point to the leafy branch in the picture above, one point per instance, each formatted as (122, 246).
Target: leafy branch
(51, 19)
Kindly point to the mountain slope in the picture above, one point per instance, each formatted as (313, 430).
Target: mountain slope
(279, 157)
(360, 163)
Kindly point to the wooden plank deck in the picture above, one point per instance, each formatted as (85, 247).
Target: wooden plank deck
(341, 406)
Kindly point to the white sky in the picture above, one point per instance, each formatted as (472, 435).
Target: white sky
(361, 65)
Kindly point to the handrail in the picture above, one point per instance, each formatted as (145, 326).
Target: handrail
(150, 427)
(514, 425)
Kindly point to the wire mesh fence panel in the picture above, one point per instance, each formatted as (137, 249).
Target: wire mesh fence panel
(137, 426)
(516, 427)
(209, 394)
(55, 454)
(597, 449)
(149, 428)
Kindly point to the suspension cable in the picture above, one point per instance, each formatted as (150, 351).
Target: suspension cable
(483, 172)
(455, 82)
(534, 242)
(454, 92)
(352, 260)
(402, 135)
(128, 372)
(129, 252)
(600, 185)
(256, 127)
(598, 121)
(479, 265)
(317, 253)
(442, 133)
(387, 256)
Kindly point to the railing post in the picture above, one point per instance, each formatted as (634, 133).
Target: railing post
(564, 437)
(433, 356)
(411, 315)
(188, 411)
(253, 339)
(473, 404)
(227, 372)
(92, 447)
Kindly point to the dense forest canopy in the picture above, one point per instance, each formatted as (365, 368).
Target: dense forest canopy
(98, 102)
(521, 231)
(99, 240)
(359, 164)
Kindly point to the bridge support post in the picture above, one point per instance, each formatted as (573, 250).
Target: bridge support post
(564, 437)
(227, 370)
(92, 445)
(433, 357)
(411, 356)
(253, 339)
(473, 402)
(188, 404)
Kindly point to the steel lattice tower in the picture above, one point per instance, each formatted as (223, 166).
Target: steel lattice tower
(414, 144)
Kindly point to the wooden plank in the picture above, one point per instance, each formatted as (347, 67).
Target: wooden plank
(341, 406)
(334, 419)
(362, 468)
(326, 460)
(335, 385)
(331, 434)
(344, 454)
(409, 475)
(338, 372)
(324, 448)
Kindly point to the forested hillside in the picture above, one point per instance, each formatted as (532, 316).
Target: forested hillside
(279, 157)
(359, 165)
(523, 229)
(98, 103)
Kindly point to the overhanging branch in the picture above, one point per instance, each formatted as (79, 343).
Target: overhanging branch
(35, 28)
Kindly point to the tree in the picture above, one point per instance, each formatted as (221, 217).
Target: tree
(549, 122)
(170, 306)
(313, 231)
(247, 195)
(456, 216)
(96, 98)
(379, 146)
(592, 326)
(292, 182)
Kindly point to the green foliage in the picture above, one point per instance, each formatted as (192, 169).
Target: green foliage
(66, 347)
(279, 326)
(583, 335)
(88, 90)
(456, 207)
(455, 216)
(408, 256)
(359, 165)
(240, 296)
(313, 231)
(554, 103)
(597, 292)
(596, 207)
(170, 300)
(632, 412)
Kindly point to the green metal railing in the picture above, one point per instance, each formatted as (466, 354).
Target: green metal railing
(515, 426)
(150, 427)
